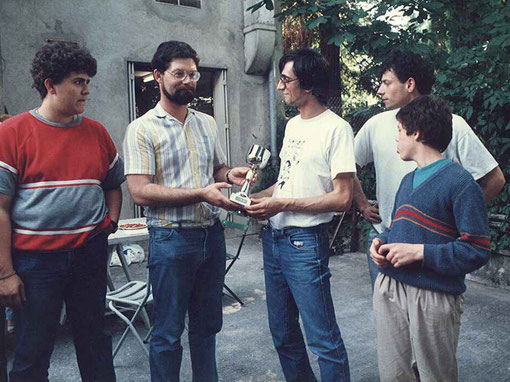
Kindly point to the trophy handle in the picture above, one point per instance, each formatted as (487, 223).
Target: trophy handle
(246, 185)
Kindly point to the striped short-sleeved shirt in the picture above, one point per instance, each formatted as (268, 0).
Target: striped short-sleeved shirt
(178, 156)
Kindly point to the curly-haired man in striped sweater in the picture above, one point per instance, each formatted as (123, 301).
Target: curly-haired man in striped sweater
(439, 233)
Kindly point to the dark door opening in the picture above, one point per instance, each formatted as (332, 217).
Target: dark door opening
(147, 90)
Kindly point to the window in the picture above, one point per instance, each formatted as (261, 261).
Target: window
(61, 40)
(186, 3)
(146, 90)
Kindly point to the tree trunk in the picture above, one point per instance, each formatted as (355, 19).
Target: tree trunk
(332, 54)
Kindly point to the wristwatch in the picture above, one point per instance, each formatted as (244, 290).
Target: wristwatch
(114, 225)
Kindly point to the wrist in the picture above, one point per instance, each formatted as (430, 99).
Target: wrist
(284, 205)
(201, 195)
(420, 251)
(115, 226)
(363, 207)
(227, 176)
(6, 275)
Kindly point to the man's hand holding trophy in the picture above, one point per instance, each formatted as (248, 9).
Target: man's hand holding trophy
(257, 158)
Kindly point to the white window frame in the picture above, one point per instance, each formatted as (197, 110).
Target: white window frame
(179, 4)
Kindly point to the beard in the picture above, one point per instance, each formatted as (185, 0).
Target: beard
(181, 96)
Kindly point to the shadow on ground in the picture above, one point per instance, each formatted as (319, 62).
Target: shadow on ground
(245, 351)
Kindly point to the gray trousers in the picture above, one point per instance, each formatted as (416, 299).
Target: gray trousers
(417, 332)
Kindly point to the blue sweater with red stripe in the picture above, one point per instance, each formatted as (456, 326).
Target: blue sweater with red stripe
(447, 214)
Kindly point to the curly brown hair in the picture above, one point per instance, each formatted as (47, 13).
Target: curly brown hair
(55, 60)
(4, 117)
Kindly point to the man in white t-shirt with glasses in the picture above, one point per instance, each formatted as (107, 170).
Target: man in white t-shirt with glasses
(315, 181)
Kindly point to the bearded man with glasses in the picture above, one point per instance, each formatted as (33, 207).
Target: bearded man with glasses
(176, 170)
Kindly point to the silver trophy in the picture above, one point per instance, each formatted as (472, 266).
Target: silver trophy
(257, 158)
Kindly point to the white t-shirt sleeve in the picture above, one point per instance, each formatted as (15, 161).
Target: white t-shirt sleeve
(341, 150)
(469, 151)
(362, 148)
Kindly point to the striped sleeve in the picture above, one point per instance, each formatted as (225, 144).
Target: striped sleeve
(8, 162)
(139, 152)
(219, 155)
(115, 176)
(471, 249)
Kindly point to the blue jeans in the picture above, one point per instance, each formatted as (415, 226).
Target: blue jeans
(187, 270)
(373, 269)
(297, 283)
(78, 277)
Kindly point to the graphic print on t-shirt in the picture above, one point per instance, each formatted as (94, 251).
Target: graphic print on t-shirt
(290, 159)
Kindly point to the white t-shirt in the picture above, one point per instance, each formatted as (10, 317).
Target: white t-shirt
(314, 152)
(375, 142)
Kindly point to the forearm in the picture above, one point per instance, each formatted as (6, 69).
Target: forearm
(455, 258)
(359, 197)
(155, 195)
(5, 243)
(492, 183)
(113, 200)
(331, 202)
(267, 193)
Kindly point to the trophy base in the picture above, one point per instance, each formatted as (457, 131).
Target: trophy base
(240, 198)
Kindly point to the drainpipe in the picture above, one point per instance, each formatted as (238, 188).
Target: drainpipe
(272, 113)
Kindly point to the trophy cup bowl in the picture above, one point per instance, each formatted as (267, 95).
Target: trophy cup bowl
(257, 158)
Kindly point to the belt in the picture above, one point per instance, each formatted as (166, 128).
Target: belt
(202, 224)
(286, 231)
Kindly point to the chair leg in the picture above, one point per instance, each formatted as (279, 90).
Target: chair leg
(149, 333)
(337, 229)
(232, 294)
(145, 318)
(130, 327)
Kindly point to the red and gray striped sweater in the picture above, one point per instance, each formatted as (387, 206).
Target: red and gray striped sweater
(56, 175)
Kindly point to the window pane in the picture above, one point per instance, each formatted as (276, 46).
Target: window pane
(191, 3)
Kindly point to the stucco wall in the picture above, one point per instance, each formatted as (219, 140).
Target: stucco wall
(122, 30)
(1, 74)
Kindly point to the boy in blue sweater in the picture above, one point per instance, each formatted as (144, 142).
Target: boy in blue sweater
(439, 233)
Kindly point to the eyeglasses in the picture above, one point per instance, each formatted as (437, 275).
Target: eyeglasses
(182, 74)
(285, 80)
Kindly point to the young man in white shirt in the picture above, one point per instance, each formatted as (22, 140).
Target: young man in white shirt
(404, 77)
(315, 180)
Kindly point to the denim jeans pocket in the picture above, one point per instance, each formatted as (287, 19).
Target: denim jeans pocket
(168, 246)
(302, 241)
(161, 234)
(24, 263)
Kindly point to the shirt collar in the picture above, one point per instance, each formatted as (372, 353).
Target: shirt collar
(162, 113)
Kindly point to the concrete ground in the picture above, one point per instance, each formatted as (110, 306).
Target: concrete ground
(245, 351)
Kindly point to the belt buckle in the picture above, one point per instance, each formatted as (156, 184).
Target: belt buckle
(206, 224)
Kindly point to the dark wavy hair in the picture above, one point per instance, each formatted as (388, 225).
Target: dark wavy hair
(55, 60)
(407, 64)
(170, 50)
(313, 71)
(432, 117)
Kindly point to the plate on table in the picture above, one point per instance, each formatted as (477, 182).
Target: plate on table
(132, 226)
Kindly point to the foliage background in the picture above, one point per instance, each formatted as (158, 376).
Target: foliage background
(468, 42)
